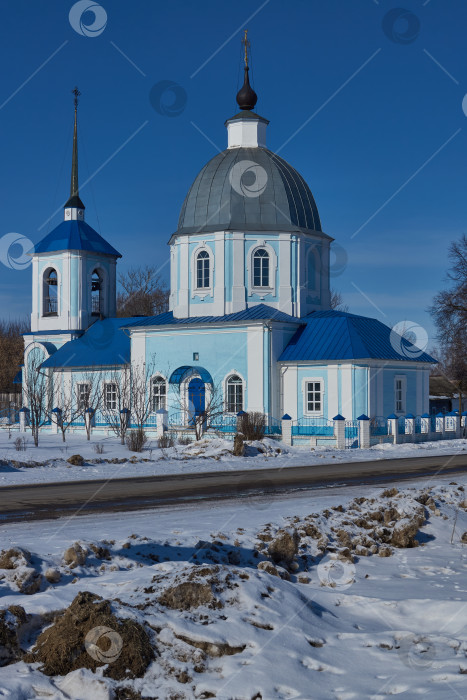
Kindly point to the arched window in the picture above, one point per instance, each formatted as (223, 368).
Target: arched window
(234, 394)
(261, 268)
(202, 270)
(158, 393)
(96, 294)
(50, 292)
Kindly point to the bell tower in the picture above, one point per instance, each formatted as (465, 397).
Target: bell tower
(74, 268)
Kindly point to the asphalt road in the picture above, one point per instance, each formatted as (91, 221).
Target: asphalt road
(38, 501)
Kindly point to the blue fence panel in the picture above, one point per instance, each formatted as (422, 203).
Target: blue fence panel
(378, 426)
(351, 433)
(313, 426)
(226, 423)
(273, 426)
(402, 430)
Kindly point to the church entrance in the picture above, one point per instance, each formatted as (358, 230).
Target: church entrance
(196, 398)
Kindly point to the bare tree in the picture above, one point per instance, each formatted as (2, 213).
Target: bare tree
(11, 351)
(337, 301)
(88, 396)
(67, 409)
(143, 292)
(116, 400)
(449, 311)
(141, 398)
(200, 421)
(37, 392)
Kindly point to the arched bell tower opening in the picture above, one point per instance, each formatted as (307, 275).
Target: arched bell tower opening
(97, 307)
(50, 292)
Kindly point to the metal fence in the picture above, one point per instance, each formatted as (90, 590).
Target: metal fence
(313, 426)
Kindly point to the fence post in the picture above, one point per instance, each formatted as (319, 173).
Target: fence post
(425, 427)
(125, 418)
(286, 428)
(339, 431)
(464, 424)
(457, 424)
(23, 419)
(410, 425)
(394, 428)
(161, 421)
(57, 415)
(363, 431)
(441, 425)
(240, 415)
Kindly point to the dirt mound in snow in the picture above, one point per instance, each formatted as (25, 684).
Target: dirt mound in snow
(187, 595)
(13, 558)
(11, 621)
(89, 635)
(284, 546)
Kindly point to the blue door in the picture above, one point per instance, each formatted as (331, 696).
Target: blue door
(196, 398)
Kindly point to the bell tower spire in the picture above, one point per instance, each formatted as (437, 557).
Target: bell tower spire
(74, 208)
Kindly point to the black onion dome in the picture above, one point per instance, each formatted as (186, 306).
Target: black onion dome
(224, 198)
(246, 96)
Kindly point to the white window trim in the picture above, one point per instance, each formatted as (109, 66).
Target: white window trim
(196, 291)
(403, 378)
(164, 378)
(105, 385)
(77, 388)
(225, 381)
(263, 291)
(306, 412)
(103, 291)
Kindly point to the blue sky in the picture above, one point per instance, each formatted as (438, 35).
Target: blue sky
(373, 120)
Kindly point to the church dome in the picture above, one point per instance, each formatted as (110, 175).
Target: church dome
(248, 189)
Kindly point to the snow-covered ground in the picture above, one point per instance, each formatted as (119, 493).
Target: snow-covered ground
(358, 626)
(48, 462)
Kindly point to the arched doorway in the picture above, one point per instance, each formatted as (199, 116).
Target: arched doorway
(196, 398)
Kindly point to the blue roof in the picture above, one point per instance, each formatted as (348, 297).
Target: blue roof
(336, 335)
(103, 344)
(261, 312)
(75, 235)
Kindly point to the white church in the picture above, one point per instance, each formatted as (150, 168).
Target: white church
(249, 318)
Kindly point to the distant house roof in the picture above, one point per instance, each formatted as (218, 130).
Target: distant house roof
(75, 235)
(103, 344)
(441, 386)
(336, 335)
(261, 312)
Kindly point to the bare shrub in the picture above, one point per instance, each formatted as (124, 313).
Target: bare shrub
(136, 440)
(184, 440)
(20, 444)
(99, 448)
(252, 425)
(166, 440)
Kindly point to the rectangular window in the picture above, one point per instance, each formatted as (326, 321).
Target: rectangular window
(314, 397)
(83, 392)
(110, 396)
(399, 394)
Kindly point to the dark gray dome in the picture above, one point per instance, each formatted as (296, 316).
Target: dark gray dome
(249, 189)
